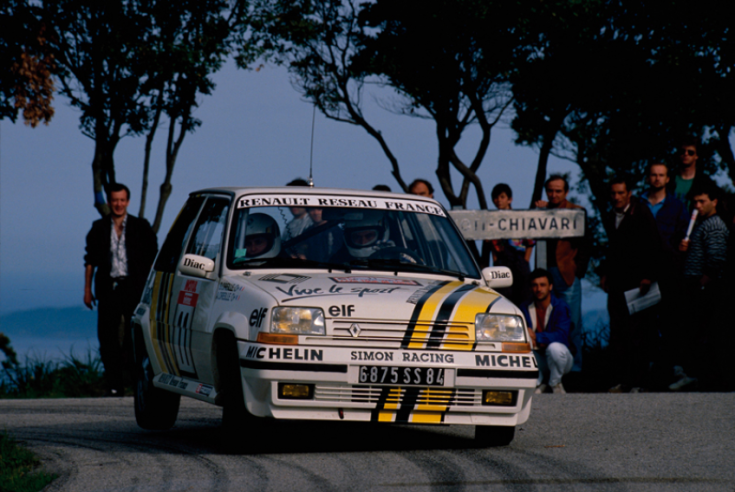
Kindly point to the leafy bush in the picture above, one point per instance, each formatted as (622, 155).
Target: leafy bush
(17, 466)
(37, 378)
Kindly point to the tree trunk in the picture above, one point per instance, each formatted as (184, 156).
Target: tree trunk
(147, 159)
(100, 177)
(725, 150)
(543, 161)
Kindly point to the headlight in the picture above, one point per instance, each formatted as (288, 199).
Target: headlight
(499, 328)
(298, 321)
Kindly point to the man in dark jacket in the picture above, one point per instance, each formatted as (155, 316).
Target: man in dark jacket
(548, 322)
(672, 219)
(689, 177)
(631, 262)
(121, 248)
(566, 260)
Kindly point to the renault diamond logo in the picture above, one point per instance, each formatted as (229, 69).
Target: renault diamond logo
(355, 330)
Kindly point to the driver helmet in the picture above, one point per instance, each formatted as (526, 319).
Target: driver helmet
(262, 236)
(366, 232)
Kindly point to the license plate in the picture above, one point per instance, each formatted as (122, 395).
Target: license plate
(407, 376)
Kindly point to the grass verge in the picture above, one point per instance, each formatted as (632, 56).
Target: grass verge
(18, 468)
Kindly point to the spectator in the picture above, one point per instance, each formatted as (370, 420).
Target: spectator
(704, 265)
(548, 322)
(566, 260)
(631, 262)
(301, 220)
(381, 188)
(324, 244)
(689, 177)
(421, 187)
(672, 219)
(121, 248)
(512, 253)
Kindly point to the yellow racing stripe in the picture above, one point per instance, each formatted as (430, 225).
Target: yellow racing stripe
(388, 413)
(473, 303)
(168, 346)
(155, 299)
(428, 314)
(432, 405)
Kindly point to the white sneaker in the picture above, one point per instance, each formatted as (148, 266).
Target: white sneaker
(679, 372)
(559, 388)
(682, 383)
(540, 388)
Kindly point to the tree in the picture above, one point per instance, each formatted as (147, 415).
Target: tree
(319, 41)
(97, 46)
(451, 61)
(26, 66)
(447, 61)
(124, 64)
(191, 42)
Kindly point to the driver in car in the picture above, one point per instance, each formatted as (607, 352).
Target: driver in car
(263, 238)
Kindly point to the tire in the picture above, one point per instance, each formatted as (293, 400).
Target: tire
(235, 415)
(155, 409)
(491, 436)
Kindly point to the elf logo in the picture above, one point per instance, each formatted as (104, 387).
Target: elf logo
(256, 318)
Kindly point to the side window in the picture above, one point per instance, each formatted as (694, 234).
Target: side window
(170, 253)
(207, 235)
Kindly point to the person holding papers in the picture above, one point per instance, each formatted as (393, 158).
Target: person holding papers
(632, 261)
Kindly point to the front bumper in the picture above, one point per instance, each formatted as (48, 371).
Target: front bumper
(338, 393)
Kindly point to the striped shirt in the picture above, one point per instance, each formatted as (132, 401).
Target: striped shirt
(707, 253)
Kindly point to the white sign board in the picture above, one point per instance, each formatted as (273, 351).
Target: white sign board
(520, 224)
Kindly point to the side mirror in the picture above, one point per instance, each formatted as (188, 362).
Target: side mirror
(497, 277)
(196, 266)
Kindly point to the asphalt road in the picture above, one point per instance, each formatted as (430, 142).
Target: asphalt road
(633, 442)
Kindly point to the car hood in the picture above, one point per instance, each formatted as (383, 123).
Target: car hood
(384, 297)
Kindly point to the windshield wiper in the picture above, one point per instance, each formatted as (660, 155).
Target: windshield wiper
(398, 265)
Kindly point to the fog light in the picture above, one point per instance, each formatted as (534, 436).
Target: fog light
(291, 391)
(499, 398)
(278, 338)
(514, 348)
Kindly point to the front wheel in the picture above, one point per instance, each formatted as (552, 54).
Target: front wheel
(491, 436)
(235, 415)
(155, 409)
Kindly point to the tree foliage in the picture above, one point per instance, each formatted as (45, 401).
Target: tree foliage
(623, 83)
(26, 66)
(125, 64)
(319, 40)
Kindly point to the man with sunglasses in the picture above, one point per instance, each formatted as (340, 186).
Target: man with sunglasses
(688, 178)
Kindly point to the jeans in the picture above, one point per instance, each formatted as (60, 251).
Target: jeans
(555, 362)
(572, 294)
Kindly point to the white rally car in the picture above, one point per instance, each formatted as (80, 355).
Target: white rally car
(307, 303)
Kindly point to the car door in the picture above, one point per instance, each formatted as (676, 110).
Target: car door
(192, 297)
(164, 273)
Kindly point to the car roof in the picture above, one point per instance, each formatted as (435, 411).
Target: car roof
(304, 190)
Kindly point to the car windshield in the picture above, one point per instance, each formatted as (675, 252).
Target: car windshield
(349, 239)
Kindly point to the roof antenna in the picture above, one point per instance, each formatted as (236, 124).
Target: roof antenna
(311, 152)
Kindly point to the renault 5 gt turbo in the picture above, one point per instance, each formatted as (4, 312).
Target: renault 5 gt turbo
(327, 304)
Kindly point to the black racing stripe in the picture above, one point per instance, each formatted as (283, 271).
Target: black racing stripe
(450, 402)
(492, 373)
(437, 332)
(375, 413)
(408, 403)
(163, 305)
(288, 366)
(493, 303)
(417, 311)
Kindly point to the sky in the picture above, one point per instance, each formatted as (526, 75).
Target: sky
(256, 131)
